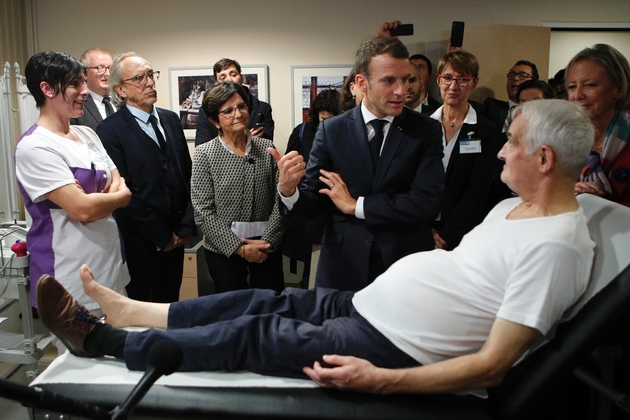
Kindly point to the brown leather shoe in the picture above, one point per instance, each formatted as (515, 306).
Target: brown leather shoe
(63, 315)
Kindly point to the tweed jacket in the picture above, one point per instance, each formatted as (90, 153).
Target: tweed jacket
(226, 188)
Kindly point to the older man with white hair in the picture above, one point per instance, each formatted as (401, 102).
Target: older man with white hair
(436, 321)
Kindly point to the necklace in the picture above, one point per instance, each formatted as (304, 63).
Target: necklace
(450, 123)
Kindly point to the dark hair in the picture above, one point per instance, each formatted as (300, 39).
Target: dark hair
(57, 69)
(326, 100)
(377, 46)
(531, 65)
(223, 64)
(614, 64)
(346, 99)
(461, 61)
(542, 86)
(424, 58)
(218, 95)
(558, 78)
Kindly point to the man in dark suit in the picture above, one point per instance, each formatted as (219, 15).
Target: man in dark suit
(148, 146)
(415, 89)
(427, 104)
(260, 121)
(97, 105)
(377, 168)
(498, 111)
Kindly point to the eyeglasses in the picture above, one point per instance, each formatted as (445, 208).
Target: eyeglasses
(521, 77)
(447, 79)
(231, 111)
(100, 69)
(142, 79)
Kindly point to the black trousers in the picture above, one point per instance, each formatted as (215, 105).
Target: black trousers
(230, 273)
(156, 276)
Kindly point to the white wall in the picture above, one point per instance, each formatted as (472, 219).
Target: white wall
(279, 33)
(565, 44)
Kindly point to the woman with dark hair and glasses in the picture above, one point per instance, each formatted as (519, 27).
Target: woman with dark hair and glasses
(233, 191)
(69, 184)
(471, 144)
(598, 79)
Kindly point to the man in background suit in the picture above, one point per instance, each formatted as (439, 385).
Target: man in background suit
(97, 105)
(500, 112)
(415, 88)
(427, 105)
(148, 146)
(377, 169)
(260, 121)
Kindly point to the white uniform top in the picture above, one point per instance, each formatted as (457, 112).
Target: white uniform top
(57, 243)
(439, 305)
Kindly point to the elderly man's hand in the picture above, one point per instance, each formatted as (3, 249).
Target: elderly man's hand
(338, 192)
(349, 373)
(292, 168)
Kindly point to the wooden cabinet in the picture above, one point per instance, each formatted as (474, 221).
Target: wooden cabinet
(189, 280)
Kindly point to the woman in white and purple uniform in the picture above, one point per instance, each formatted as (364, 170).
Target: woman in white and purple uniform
(69, 184)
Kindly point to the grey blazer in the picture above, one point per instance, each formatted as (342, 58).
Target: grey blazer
(226, 188)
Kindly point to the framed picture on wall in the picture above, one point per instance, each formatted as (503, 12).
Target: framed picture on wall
(308, 81)
(189, 84)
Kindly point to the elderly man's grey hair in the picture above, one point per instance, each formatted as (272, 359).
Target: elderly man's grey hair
(116, 77)
(564, 126)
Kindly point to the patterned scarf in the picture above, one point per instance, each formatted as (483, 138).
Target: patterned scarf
(616, 138)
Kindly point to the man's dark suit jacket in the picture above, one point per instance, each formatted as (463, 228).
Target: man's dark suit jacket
(402, 196)
(496, 111)
(259, 111)
(160, 200)
(431, 107)
(91, 117)
(469, 182)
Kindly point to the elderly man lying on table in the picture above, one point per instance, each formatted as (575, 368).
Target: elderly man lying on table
(435, 321)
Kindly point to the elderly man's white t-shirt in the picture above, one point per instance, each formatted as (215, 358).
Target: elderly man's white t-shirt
(438, 305)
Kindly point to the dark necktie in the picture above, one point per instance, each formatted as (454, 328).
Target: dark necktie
(109, 110)
(158, 134)
(377, 141)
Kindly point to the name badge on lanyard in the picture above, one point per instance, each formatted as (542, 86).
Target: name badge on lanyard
(470, 145)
